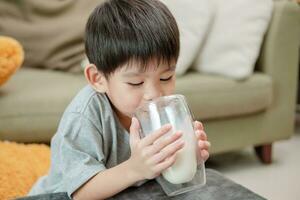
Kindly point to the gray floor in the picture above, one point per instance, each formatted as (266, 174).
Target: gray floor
(278, 181)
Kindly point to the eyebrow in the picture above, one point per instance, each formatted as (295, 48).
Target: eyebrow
(132, 74)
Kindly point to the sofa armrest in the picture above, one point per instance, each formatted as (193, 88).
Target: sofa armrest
(279, 59)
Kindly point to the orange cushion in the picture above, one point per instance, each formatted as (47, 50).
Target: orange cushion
(20, 167)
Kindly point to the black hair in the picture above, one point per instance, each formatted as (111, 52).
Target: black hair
(121, 31)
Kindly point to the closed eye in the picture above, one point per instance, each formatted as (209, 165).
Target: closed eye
(166, 79)
(135, 84)
(141, 83)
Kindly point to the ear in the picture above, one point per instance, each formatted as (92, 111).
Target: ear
(95, 78)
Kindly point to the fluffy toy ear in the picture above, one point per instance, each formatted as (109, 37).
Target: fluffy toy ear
(11, 57)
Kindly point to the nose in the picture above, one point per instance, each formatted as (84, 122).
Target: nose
(152, 93)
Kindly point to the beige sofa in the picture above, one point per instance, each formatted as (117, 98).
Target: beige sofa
(236, 114)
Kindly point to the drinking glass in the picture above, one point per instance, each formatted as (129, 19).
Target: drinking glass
(185, 174)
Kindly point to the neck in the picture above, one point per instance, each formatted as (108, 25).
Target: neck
(124, 120)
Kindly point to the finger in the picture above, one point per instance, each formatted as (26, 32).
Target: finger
(198, 125)
(204, 144)
(165, 164)
(204, 155)
(167, 151)
(149, 139)
(161, 143)
(202, 135)
(134, 130)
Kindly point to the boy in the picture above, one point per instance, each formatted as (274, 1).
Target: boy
(133, 46)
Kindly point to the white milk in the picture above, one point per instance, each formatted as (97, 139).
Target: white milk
(185, 166)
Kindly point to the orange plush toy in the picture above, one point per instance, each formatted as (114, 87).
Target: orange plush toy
(20, 164)
(11, 57)
(20, 167)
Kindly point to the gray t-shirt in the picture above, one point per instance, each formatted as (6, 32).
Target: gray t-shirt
(89, 139)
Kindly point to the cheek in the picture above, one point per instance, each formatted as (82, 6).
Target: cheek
(134, 97)
(133, 102)
(127, 99)
(169, 89)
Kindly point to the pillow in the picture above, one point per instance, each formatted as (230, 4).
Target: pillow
(51, 32)
(233, 44)
(193, 18)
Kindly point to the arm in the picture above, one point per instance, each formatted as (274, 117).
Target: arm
(149, 157)
(108, 182)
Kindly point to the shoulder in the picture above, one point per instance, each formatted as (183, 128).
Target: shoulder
(86, 100)
(89, 104)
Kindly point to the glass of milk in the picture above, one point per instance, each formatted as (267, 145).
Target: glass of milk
(186, 174)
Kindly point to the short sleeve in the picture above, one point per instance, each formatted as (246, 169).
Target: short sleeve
(79, 151)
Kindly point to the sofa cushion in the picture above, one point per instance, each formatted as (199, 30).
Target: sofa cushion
(211, 96)
(33, 102)
(51, 32)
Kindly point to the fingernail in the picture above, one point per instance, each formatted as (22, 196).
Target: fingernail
(208, 143)
(179, 133)
(168, 126)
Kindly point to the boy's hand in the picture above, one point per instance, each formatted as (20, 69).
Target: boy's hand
(203, 144)
(153, 153)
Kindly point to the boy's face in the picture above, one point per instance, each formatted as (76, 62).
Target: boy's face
(128, 87)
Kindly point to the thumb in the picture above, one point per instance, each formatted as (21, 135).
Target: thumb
(134, 130)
